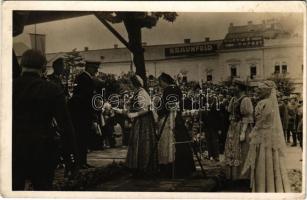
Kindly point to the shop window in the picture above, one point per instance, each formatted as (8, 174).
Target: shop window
(253, 71)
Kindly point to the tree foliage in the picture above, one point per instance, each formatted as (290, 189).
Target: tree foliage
(144, 19)
(72, 60)
(283, 83)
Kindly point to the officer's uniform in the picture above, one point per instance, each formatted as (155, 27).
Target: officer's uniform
(35, 103)
(82, 112)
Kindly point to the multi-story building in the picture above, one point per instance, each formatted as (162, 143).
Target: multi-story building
(249, 52)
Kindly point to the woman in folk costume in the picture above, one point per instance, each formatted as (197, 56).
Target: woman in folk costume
(237, 141)
(266, 156)
(142, 151)
(174, 152)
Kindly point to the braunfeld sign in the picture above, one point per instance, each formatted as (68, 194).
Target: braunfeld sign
(191, 50)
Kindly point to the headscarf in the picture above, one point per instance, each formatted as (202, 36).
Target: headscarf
(275, 139)
(278, 141)
(267, 84)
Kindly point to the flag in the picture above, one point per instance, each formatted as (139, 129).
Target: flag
(38, 42)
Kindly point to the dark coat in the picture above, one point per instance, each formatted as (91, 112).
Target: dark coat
(83, 113)
(81, 102)
(283, 111)
(36, 102)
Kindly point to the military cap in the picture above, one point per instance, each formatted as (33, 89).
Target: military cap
(92, 63)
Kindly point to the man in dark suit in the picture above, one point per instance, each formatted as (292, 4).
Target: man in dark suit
(58, 70)
(36, 102)
(82, 110)
(211, 125)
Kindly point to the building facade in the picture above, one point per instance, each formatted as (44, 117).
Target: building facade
(249, 52)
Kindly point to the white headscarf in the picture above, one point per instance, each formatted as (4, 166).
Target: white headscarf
(278, 140)
(140, 80)
(275, 140)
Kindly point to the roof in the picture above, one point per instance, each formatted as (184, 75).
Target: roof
(246, 28)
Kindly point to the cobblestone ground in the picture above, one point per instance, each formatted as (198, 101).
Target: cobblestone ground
(214, 182)
(122, 180)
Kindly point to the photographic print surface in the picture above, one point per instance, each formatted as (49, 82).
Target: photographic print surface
(155, 101)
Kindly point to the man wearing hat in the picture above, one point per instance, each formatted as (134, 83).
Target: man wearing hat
(36, 102)
(292, 111)
(82, 111)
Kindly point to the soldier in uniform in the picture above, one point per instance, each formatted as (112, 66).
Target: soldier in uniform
(283, 111)
(36, 102)
(292, 122)
(82, 110)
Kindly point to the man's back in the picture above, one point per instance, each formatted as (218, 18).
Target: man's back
(33, 104)
(36, 102)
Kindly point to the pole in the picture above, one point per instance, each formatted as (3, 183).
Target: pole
(119, 37)
(35, 46)
(155, 70)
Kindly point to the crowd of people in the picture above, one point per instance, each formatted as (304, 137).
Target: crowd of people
(162, 126)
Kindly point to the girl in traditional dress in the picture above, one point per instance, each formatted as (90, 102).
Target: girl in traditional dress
(266, 156)
(142, 151)
(237, 141)
(174, 151)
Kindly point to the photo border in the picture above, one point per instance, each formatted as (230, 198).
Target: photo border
(180, 6)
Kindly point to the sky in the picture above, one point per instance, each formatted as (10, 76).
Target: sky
(87, 31)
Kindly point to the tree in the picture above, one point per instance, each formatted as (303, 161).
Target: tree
(134, 22)
(283, 83)
(72, 61)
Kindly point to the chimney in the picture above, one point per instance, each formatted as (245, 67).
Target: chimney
(207, 39)
(250, 22)
(85, 48)
(115, 46)
(231, 24)
(144, 44)
(187, 41)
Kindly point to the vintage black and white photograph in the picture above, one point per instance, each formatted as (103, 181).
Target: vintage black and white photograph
(156, 101)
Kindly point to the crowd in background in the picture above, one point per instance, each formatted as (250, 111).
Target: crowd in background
(215, 121)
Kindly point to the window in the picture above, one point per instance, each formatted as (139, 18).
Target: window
(253, 71)
(184, 79)
(281, 68)
(284, 68)
(209, 77)
(277, 68)
(233, 70)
